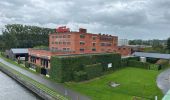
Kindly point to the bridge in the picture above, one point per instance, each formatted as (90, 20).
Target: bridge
(152, 55)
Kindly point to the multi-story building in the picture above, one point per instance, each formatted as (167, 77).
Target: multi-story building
(66, 42)
(82, 42)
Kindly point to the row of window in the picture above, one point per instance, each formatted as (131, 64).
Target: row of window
(82, 49)
(83, 36)
(64, 49)
(62, 36)
(106, 44)
(65, 43)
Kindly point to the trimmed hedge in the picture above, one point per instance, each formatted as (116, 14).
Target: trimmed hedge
(138, 64)
(124, 61)
(63, 68)
(94, 70)
(80, 76)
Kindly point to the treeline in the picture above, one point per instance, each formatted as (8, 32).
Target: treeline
(24, 36)
(154, 42)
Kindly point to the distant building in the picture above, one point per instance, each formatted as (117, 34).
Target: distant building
(17, 53)
(123, 42)
(124, 50)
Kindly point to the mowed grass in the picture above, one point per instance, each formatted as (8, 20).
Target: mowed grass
(133, 82)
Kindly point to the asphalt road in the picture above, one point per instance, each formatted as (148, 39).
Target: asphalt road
(163, 81)
(57, 86)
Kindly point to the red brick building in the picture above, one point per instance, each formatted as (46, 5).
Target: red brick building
(66, 42)
(82, 42)
(124, 50)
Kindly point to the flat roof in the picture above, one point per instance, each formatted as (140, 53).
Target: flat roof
(152, 55)
(19, 50)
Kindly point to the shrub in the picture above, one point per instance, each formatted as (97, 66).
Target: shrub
(93, 70)
(80, 76)
(38, 69)
(152, 60)
(138, 64)
(27, 64)
(124, 61)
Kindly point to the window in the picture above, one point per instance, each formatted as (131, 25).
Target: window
(64, 49)
(68, 49)
(60, 42)
(102, 44)
(68, 43)
(56, 36)
(82, 49)
(94, 37)
(69, 36)
(52, 42)
(82, 43)
(56, 42)
(60, 36)
(93, 49)
(64, 36)
(94, 44)
(82, 36)
(64, 43)
(53, 36)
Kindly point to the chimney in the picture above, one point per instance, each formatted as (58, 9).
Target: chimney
(82, 30)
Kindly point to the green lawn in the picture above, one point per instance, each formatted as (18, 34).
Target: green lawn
(133, 82)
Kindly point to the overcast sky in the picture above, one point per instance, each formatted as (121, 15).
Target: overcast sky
(131, 19)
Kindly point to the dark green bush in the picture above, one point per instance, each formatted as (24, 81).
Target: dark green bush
(27, 64)
(38, 69)
(152, 60)
(94, 70)
(80, 76)
(138, 64)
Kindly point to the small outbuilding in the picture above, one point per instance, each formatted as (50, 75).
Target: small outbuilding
(17, 53)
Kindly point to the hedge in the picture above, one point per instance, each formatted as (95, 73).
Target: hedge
(138, 64)
(63, 68)
(124, 61)
(94, 70)
(80, 76)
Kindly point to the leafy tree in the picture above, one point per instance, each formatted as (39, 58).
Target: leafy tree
(168, 44)
(24, 36)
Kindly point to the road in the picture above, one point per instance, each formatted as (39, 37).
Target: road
(163, 81)
(57, 86)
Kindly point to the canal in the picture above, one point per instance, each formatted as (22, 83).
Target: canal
(12, 90)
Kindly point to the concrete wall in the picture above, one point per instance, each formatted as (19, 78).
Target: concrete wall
(29, 86)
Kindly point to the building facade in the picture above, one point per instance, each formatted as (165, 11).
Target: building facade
(65, 42)
(82, 42)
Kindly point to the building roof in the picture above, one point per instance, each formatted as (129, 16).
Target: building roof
(152, 55)
(19, 50)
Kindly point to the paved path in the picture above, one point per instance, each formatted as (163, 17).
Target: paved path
(163, 81)
(57, 86)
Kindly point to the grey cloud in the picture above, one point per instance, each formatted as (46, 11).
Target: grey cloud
(125, 18)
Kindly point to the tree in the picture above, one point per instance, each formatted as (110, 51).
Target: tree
(168, 44)
(24, 36)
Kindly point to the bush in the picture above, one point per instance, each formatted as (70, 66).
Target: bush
(94, 70)
(27, 64)
(124, 61)
(38, 69)
(80, 76)
(64, 67)
(138, 64)
(152, 60)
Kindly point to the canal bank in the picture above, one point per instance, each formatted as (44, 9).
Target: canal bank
(10, 89)
(32, 85)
